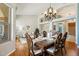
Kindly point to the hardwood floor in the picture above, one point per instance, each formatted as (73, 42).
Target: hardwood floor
(71, 49)
(21, 49)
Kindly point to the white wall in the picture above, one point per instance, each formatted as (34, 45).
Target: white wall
(23, 21)
(69, 10)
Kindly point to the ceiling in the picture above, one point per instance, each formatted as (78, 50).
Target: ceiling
(36, 8)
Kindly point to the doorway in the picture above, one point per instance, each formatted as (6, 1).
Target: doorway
(72, 31)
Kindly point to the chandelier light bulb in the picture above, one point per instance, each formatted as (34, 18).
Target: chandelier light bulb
(50, 10)
(54, 11)
(45, 12)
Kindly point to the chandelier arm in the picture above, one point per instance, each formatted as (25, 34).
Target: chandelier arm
(50, 13)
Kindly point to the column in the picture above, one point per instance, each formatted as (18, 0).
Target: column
(77, 26)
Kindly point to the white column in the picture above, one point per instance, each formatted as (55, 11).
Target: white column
(77, 26)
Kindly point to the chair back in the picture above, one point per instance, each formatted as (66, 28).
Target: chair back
(44, 34)
(36, 33)
(29, 43)
(17, 43)
(17, 38)
(58, 40)
(64, 37)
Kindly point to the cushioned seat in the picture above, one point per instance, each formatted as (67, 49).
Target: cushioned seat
(51, 50)
(37, 51)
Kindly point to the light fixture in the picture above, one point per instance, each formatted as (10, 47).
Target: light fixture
(50, 13)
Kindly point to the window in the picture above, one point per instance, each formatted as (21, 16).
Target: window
(4, 23)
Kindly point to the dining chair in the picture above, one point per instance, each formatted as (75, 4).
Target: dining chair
(54, 49)
(62, 43)
(36, 33)
(44, 34)
(17, 42)
(33, 50)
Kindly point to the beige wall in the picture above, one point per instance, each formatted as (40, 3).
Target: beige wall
(5, 9)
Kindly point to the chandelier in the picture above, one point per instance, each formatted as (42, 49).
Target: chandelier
(50, 13)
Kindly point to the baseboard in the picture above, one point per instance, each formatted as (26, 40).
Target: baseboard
(10, 52)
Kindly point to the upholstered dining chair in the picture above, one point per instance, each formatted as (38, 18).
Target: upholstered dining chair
(44, 34)
(54, 49)
(18, 42)
(62, 43)
(33, 50)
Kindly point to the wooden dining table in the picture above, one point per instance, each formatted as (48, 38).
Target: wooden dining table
(44, 44)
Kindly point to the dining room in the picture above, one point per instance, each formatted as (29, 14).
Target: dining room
(45, 29)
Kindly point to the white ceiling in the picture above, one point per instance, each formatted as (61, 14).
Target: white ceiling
(36, 8)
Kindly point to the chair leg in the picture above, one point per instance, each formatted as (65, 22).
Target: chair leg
(65, 50)
(43, 52)
(61, 51)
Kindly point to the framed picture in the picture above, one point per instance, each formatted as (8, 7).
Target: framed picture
(1, 29)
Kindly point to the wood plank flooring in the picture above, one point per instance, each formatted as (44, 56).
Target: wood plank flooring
(71, 49)
(21, 49)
